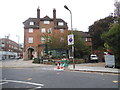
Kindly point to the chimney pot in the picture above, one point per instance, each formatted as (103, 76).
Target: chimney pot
(54, 13)
(38, 12)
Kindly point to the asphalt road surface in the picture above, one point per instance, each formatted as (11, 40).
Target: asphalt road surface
(49, 78)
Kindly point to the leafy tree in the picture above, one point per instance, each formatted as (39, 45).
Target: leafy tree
(112, 38)
(57, 42)
(79, 45)
(97, 29)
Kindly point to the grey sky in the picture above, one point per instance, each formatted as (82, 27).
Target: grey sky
(85, 12)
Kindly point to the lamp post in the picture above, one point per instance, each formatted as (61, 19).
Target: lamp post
(72, 33)
(18, 43)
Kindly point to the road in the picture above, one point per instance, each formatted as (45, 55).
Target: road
(50, 78)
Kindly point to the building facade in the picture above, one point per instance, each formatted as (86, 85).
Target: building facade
(9, 49)
(38, 31)
(87, 38)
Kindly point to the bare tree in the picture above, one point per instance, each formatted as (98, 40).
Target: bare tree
(117, 8)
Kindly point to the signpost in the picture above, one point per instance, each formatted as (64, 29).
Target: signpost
(71, 39)
(71, 42)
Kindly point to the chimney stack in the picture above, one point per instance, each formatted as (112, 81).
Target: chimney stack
(54, 17)
(54, 13)
(38, 12)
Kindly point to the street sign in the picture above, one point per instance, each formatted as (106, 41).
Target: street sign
(70, 39)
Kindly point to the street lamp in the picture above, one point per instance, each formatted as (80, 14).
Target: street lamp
(70, 14)
(18, 43)
(72, 33)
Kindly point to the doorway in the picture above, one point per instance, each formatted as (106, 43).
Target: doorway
(30, 53)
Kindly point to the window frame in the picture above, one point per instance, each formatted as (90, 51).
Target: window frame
(31, 23)
(61, 30)
(46, 22)
(30, 39)
(43, 40)
(50, 30)
(30, 30)
(60, 23)
(43, 30)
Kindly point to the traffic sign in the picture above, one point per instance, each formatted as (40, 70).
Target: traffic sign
(70, 39)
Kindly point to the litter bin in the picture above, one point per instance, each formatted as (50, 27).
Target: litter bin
(109, 61)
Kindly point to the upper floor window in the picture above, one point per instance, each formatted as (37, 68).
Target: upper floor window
(62, 38)
(85, 39)
(43, 30)
(62, 30)
(60, 23)
(46, 22)
(30, 30)
(31, 23)
(50, 30)
(30, 40)
(42, 39)
(49, 39)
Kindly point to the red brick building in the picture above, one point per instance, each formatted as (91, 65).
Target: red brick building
(87, 38)
(10, 49)
(37, 32)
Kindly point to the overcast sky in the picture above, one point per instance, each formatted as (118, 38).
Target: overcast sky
(14, 12)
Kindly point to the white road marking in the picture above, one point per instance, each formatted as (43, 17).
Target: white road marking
(38, 87)
(3, 83)
(37, 84)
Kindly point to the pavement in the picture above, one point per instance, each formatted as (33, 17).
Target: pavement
(86, 67)
(20, 64)
(94, 67)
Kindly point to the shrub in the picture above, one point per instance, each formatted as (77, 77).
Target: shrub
(36, 60)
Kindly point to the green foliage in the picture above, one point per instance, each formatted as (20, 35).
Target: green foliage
(98, 28)
(56, 42)
(112, 38)
(80, 48)
(36, 60)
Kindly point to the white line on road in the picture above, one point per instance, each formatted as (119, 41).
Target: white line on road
(37, 84)
(38, 87)
(3, 83)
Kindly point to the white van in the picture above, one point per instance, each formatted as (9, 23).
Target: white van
(93, 58)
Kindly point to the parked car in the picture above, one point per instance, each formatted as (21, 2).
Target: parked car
(17, 57)
(12, 57)
(93, 58)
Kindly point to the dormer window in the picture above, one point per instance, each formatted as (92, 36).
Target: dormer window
(60, 23)
(31, 23)
(46, 22)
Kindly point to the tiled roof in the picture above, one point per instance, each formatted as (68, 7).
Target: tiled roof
(84, 34)
(46, 18)
(37, 20)
(27, 23)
